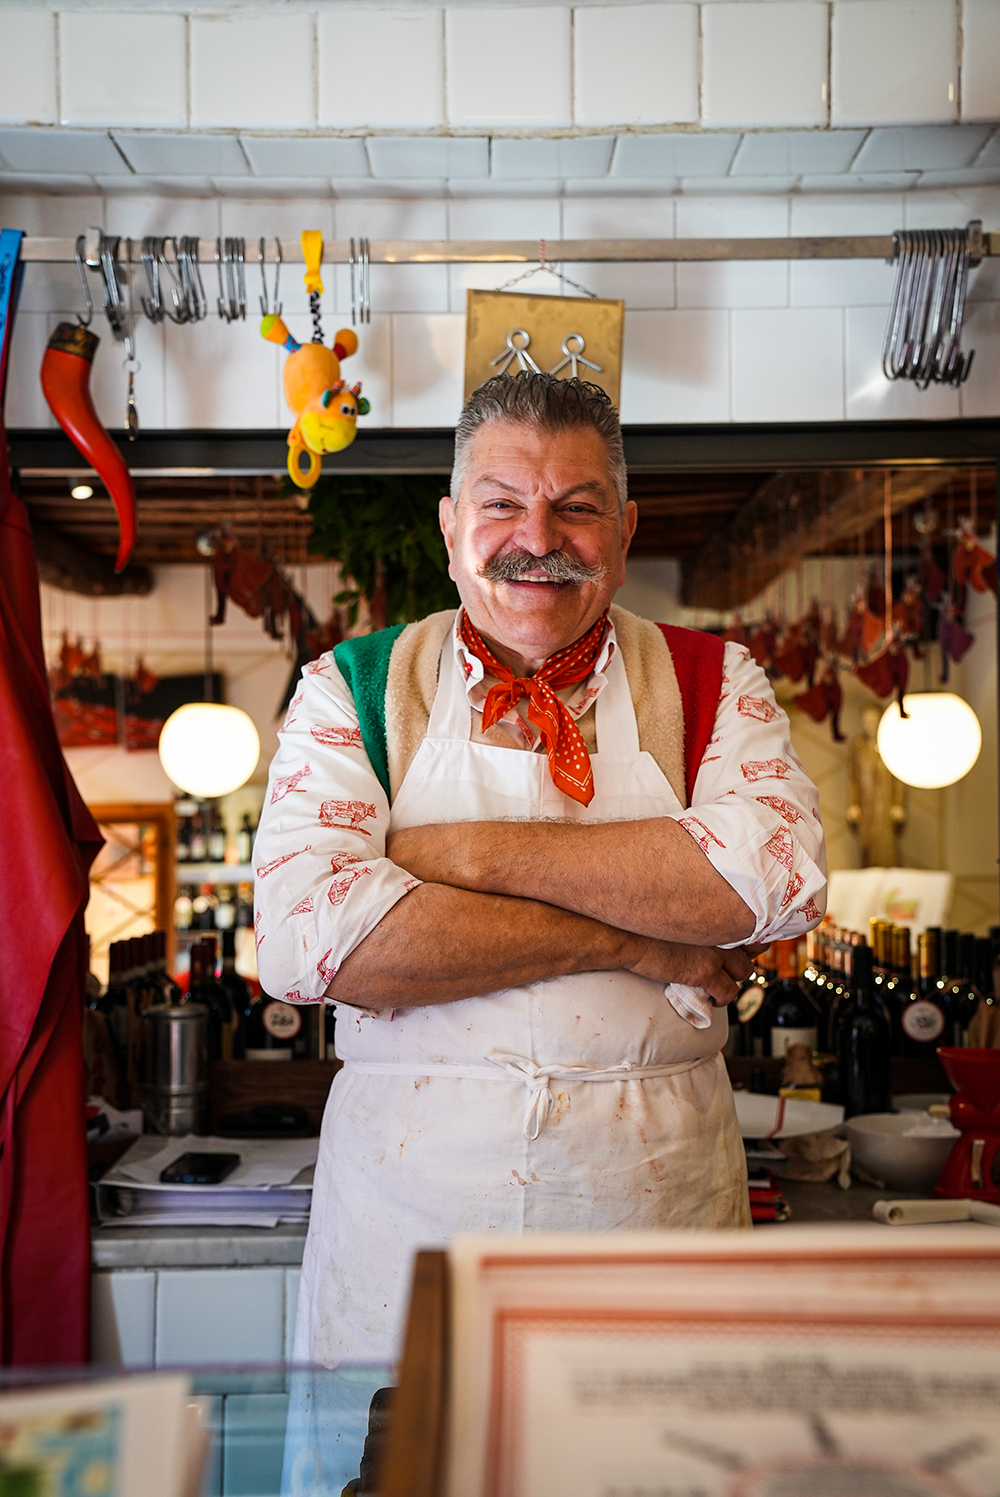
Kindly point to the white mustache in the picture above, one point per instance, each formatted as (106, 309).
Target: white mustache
(516, 566)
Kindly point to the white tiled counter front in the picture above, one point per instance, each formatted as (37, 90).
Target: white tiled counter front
(187, 1295)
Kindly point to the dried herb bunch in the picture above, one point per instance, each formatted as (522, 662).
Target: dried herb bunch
(383, 530)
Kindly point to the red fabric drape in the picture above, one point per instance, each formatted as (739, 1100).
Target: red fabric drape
(48, 840)
(698, 666)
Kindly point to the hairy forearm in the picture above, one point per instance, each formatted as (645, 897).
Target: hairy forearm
(440, 944)
(648, 877)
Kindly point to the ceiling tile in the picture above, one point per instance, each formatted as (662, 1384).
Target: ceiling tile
(306, 156)
(273, 187)
(732, 185)
(506, 187)
(408, 187)
(63, 151)
(167, 187)
(153, 154)
(792, 152)
(13, 183)
(970, 176)
(400, 156)
(856, 182)
(586, 156)
(990, 153)
(920, 148)
(707, 155)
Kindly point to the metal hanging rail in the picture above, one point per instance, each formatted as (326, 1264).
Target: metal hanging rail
(582, 251)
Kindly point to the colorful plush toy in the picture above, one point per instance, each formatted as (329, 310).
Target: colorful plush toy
(326, 407)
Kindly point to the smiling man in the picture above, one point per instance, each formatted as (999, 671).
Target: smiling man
(524, 847)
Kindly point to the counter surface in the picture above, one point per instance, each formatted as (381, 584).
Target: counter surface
(197, 1247)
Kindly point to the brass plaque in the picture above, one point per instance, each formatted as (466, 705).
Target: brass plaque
(548, 330)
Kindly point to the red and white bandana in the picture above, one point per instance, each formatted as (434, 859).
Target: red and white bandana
(569, 761)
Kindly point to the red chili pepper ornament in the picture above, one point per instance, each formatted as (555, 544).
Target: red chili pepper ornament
(66, 367)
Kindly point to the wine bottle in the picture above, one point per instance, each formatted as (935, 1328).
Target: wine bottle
(749, 1004)
(272, 1028)
(924, 1013)
(198, 845)
(239, 992)
(962, 991)
(895, 987)
(791, 1017)
(864, 1043)
(216, 836)
(244, 840)
(949, 956)
(206, 989)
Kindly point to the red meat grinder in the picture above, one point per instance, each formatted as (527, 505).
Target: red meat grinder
(972, 1169)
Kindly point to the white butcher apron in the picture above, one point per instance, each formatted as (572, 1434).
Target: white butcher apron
(579, 1103)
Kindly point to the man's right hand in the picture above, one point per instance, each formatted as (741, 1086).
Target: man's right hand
(718, 972)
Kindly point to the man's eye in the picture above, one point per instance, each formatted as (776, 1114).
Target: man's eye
(499, 504)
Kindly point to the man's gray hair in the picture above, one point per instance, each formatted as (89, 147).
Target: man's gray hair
(548, 404)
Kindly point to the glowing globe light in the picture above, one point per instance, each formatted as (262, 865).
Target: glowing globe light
(208, 749)
(936, 744)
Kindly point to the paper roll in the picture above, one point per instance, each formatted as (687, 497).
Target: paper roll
(910, 1213)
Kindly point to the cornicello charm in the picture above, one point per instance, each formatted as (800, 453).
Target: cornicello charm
(66, 369)
(327, 407)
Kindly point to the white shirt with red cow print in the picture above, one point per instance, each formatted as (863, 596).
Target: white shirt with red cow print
(322, 880)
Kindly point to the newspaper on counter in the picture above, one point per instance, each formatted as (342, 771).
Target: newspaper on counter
(271, 1184)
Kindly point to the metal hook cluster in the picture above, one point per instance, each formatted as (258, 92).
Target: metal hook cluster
(361, 290)
(183, 277)
(269, 306)
(230, 262)
(924, 330)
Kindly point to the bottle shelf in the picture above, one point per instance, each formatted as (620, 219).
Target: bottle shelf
(214, 873)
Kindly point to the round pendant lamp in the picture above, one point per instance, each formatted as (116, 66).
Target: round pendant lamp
(936, 744)
(208, 749)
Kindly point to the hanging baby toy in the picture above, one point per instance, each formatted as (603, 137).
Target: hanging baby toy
(327, 409)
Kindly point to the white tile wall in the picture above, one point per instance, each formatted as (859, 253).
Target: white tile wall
(641, 285)
(788, 365)
(395, 288)
(508, 66)
(872, 397)
(673, 156)
(220, 374)
(405, 84)
(445, 156)
(894, 62)
(28, 66)
(732, 283)
(676, 367)
(153, 154)
(764, 64)
(982, 332)
(122, 68)
(428, 364)
(980, 50)
(25, 405)
(837, 283)
(252, 70)
(306, 156)
(545, 157)
(122, 1316)
(61, 151)
(635, 64)
(219, 1315)
(717, 342)
(507, 218)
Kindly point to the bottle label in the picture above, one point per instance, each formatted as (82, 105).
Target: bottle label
(282, 1020)
(922, 1021)
(748, 1003)
(782, 1038)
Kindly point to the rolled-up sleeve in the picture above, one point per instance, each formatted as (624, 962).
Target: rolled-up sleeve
(322, 881)
(755, 811)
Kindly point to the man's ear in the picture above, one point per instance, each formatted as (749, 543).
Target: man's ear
(446, 519)
(630, 520)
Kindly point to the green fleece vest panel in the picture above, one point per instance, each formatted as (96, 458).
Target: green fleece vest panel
(364, 665)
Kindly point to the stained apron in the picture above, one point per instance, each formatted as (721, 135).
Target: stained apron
(578, 1103)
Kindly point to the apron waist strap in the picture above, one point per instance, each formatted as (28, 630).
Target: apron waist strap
(536, 1078)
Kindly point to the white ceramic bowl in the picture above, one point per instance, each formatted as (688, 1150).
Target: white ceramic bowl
(905, 1150)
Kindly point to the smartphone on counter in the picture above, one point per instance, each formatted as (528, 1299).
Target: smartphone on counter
(199, 1169)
